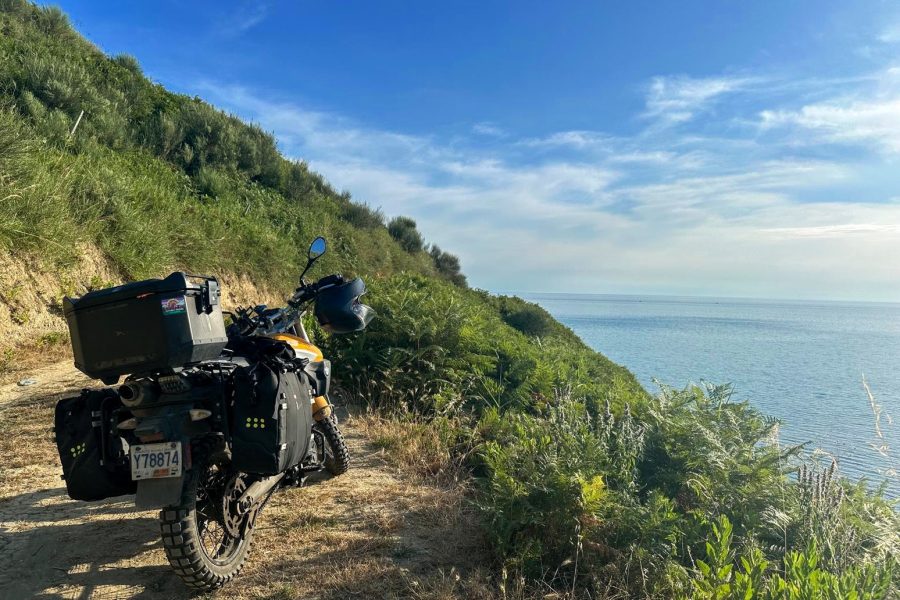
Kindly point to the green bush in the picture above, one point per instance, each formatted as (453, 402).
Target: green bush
(447, 265)
(362, 216)
(724, 576)
(546, 484)
(403, 229)
(529, 318)
(670, 468)
(435, 347)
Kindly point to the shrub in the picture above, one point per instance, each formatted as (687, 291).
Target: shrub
(362, 215)
(527, 317)
(671, 470)
(723, 576)
(54, 22)
(129, 62)
(435, 347)
(544, 488)
(448, 266)
(403, 229)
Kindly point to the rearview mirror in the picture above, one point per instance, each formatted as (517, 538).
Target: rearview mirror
(317, 248)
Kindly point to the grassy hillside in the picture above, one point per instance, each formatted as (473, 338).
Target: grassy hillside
(585, 483)
(142, 156)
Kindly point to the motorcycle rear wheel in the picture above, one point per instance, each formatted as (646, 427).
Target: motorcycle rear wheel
(195, 533)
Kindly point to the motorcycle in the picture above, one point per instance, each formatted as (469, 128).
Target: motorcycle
(210, 420)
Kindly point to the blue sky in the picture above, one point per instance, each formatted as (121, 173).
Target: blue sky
(727, 148)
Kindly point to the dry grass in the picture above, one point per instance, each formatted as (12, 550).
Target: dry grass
(422, 449)
(882, 447)
(376, 532)
(19, 362)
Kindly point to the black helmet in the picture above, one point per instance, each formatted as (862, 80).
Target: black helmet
(339, 310)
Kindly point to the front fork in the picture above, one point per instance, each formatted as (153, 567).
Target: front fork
(321, 408)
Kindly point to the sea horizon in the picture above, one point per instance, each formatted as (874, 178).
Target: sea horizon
(763, 299)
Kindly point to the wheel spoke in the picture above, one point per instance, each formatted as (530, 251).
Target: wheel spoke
(216, 542)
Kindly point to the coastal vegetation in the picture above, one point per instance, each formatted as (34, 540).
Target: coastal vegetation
(587, 484)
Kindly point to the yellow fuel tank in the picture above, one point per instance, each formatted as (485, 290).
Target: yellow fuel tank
(300, 346)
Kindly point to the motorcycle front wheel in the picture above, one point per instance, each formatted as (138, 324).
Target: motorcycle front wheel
(205, 540)
(337, 455)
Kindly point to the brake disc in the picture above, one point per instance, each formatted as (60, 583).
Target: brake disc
(233, 515)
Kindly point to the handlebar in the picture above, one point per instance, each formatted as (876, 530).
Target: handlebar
(308, 291)
(263, 320)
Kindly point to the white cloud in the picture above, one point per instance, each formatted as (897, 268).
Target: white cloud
(547, 178)
(832, 231)
(729, 196)
(488, 129)
(638, 156)
(890, 35)
(585, 211)
(300, 129)
(571, 139)
(876, 122)
(679, 99)
(740, 233)
(866, 113)
(243, 18)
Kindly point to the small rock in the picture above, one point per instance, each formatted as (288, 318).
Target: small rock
(27, 382)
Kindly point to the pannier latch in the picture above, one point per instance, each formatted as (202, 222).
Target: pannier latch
(210, 295)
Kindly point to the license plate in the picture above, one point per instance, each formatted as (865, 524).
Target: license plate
(153, 461)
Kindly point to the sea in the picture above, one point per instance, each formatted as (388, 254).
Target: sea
(803, 362)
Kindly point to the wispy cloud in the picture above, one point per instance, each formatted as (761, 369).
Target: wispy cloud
(852, 121)
(489, 129)
(572, 139)
(674, 211)
(890, 35)
(300, 129)
(243, 18)
(832, 231)
(868, 117)
(678, 99)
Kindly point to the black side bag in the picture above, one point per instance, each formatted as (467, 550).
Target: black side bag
(272, 419)
(94, 459)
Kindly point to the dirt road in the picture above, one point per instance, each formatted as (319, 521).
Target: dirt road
(372, 533)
